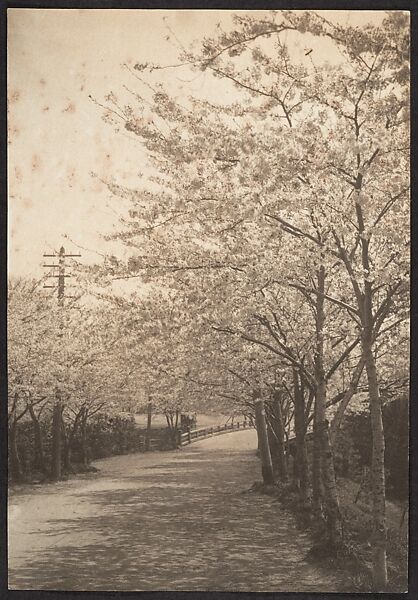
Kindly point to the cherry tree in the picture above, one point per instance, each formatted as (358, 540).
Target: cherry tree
(65, 364)
(30, 382)
(311, 152)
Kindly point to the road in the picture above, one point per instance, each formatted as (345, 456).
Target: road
(182, 520)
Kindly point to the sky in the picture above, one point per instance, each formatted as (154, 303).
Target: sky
(57, 137)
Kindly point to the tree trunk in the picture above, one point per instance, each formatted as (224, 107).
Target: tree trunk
(40, 462)
(295, 467)
(278, 426)
(301, 454)
(66, 452)
(148, 432)
(317, 488)
(272, 439)
(326, 462)
(321, 388)
(365, 304)
(67, 440)
(56, 442)
(332, 501)
(377, 473)
(351, 390)
(172, 430)
(266, 463)
(15, 462)
(84, 453)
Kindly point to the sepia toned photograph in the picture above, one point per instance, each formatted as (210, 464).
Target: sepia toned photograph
(208, 300)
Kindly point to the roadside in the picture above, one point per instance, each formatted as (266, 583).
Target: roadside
(353, 555)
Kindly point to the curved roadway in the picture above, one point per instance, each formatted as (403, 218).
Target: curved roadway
(179, 520)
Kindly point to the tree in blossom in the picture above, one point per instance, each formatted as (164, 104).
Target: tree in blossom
(309, 163)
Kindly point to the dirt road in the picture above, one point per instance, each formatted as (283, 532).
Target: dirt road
(164, 521)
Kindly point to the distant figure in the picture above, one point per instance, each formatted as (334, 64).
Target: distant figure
(187, 422)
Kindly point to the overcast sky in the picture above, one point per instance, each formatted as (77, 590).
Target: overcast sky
(57, 137)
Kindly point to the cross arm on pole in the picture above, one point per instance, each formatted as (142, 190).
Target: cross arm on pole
(65, 255)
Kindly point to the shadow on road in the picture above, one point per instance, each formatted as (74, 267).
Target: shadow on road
(181, 525)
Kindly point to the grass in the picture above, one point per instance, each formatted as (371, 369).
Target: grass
(353, 554)
(358, 519)
(203, 420)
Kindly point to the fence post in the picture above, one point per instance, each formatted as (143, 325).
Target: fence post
(260, 419)
(179, 441)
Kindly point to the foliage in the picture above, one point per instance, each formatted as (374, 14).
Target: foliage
(107, 436)
(357, 429)
(279, 220)
(265, 251)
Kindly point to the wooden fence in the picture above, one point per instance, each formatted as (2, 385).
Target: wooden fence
(195, 435)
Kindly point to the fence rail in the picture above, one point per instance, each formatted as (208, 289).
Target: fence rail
(204, 432)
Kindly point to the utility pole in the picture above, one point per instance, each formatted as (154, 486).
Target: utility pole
(56, 437)
(61, 275)
(56, 470)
